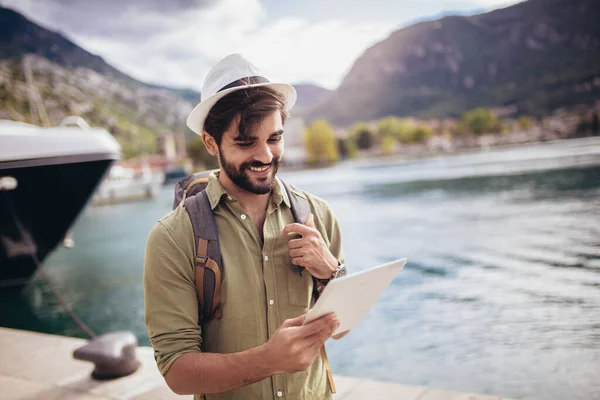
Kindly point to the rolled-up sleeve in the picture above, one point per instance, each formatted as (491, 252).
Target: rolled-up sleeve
(171, 307)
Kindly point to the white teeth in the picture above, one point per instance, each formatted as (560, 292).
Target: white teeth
(259, 169)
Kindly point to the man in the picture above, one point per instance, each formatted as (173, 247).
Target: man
(259, 348)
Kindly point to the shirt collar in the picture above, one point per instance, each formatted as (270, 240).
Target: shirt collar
(280, 194)
(215, 191)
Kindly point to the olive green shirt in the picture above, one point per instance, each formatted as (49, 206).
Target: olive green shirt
(259, 289)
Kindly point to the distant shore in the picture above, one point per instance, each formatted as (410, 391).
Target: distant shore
(451, 147)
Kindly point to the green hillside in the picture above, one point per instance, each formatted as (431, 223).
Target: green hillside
(536, 56)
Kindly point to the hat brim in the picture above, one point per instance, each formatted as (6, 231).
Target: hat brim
(195, 121)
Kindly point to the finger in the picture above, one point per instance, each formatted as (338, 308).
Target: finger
(297, 228)
(298, 321)
(310, 221)
(296, 253)
(325, 322)
(316, 341)
(299, 261)
(319, 336)
(296, 243)
(340, 335)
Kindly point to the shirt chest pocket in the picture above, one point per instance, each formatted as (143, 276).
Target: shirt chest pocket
(299, 287)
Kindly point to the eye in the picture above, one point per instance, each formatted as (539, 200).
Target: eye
(275, 139)
(244, 144)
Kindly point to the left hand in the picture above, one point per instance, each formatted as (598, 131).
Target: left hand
(310, 251)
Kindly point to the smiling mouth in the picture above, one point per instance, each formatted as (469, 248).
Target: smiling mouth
(259, 169)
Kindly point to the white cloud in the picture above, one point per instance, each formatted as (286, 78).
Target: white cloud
(298, 51)
(493, 4)
(467, 5)
(179, 48)
(290, 49)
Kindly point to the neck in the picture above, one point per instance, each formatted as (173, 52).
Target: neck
(250, 202)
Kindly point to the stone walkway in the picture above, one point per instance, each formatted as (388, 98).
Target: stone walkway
(40, 366)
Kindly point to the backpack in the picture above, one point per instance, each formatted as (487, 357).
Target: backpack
(190, 193)
(209, 266)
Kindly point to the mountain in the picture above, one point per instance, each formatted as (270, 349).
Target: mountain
(538, 55)
(56, 55)
(20, 36)
(309, 95)
(72, 81)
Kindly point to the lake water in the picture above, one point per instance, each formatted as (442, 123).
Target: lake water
(501, 294)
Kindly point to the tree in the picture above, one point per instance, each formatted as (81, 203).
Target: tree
(362, 135)
(320, 142)
(421, 133)
(347, 148)
(480, 121)
(199, 155)
(459, 129)
(388, 145)
(403, 130)
(394, 127)
(525, 122)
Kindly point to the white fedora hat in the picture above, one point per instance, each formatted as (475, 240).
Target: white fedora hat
(232, 73)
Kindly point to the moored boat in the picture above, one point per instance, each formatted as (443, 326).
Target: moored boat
(126, 184)
(47, 177)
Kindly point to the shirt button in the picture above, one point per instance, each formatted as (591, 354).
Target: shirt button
(266, 258)
(280, 394)
(271, 302)
(243, 216)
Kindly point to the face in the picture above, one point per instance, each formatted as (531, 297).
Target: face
(252, 164)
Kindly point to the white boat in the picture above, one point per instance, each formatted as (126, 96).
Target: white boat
(125, 184)
(47, 177)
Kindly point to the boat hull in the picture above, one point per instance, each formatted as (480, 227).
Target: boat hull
(36, 216)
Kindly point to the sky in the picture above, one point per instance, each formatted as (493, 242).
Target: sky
(176, 42)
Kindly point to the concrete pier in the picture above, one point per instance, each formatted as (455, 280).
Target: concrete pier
(40, 366)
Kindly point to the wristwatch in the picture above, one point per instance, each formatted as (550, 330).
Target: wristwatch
(339, 271)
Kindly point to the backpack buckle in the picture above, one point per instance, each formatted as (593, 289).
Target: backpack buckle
(201, 260)
(297, 269)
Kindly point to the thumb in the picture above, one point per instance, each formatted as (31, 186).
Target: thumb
(294, 321)
(310, 221)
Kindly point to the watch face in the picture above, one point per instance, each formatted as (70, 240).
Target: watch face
(341, 272)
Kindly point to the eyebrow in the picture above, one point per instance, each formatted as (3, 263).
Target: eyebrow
(240, 138)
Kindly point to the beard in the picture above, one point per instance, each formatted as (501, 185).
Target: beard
(239, 175)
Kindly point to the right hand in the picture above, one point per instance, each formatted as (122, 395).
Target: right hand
(294, 347)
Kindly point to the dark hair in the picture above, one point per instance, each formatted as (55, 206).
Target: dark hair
(251, 104)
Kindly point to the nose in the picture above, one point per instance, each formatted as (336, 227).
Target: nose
(263, 154)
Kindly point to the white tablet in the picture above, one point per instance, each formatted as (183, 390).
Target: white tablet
(352, 296)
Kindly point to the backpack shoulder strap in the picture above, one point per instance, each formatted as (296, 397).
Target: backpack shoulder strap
(208, 256)
(300, 211)
(299, 204)
(189, 186)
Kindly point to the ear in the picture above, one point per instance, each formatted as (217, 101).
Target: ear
(210, 143)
